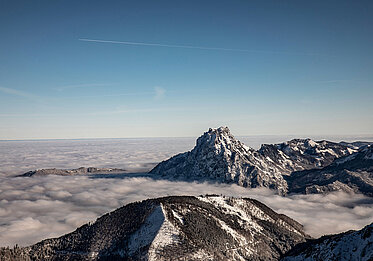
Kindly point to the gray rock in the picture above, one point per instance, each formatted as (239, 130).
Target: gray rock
(304, 154)
(218, 156)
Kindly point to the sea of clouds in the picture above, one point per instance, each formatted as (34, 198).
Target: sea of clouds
(32, 209)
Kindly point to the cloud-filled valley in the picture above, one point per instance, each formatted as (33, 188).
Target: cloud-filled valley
(32, 209)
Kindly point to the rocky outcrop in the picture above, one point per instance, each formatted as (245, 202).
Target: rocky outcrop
(218, 156)
(305, 154)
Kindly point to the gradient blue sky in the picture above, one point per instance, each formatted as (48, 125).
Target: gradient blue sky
(297, 67)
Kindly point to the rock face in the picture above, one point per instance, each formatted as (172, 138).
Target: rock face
(175, 228)
(304, 154)
(220, 157)
(351, 245)
(71, 172)
(352, 173)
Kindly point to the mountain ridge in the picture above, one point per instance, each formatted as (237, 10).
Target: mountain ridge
(218, 156)
(346, 246)
(208, 227)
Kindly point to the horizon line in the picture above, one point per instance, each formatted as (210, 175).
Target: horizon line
(369, 136)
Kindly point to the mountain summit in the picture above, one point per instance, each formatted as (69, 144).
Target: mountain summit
(219, 156)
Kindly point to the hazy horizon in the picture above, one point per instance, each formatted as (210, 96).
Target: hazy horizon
(259, 139)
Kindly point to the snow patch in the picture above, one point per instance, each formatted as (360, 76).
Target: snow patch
(156, 232)
(246, 220)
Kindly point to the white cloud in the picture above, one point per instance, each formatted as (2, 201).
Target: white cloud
(35, 208)
(32, 209)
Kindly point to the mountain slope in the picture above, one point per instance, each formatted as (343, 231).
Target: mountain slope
(220, 157)
(175, 228)
(351, 245)
(350, 173)
(304, 154)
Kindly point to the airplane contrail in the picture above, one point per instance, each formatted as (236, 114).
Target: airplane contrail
(188, 46)
(164, 45)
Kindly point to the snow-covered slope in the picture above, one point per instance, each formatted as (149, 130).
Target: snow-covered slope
(304, 154)
(348, 246)
(220, 157)
(175, 228)
(352, 173)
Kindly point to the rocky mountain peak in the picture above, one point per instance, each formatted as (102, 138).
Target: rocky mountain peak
(219, 139)
(219, 156)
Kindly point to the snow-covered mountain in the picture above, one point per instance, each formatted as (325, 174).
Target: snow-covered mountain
(175, 228)
(220, 157)
(348, 246)
(352, 173)
(304, 154)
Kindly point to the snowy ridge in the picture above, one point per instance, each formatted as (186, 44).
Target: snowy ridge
(304, 154)
(352, 245)
(352, 174)
(197, 228)
(220, 157)
(176, 228)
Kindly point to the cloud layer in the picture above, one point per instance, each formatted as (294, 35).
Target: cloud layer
(32, 209)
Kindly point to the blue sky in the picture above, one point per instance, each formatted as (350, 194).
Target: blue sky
(294, 67)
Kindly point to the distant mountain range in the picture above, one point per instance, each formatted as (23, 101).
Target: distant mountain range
(72, 172)
(296, 166)
(196, 228)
